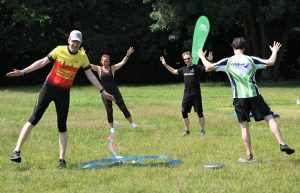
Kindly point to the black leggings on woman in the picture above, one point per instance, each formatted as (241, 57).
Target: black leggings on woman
(119, 102)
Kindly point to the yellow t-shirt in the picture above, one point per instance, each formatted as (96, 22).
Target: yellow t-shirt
(66, 65)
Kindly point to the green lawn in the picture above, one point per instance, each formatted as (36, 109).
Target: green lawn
(156, 109)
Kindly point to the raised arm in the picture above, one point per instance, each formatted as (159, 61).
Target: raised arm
(208, 65)
(172, 70)
(34, 66)
(275, 48)
(125, 59)
(94, 67)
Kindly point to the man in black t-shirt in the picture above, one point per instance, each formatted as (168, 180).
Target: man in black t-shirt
(192, 93)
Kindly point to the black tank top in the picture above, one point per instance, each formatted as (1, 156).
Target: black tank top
(107, 80)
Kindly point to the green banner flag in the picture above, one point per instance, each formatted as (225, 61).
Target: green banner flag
(200, 34)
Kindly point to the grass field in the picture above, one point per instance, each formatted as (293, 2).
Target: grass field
(156, 109)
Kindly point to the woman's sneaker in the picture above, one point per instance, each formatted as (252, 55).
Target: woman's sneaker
(16, 156)
(115, 123)
(133, 125)
(285, 148)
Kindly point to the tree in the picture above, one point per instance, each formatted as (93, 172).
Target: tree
(259, 21)
(31, 29)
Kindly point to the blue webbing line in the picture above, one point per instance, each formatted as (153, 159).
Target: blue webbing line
(172, 162)
(95, 166)
(130, 158)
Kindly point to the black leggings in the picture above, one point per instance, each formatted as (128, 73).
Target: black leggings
(119, 102)
(61, 98)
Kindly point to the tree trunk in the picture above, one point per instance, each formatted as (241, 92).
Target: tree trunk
(253, 30)
(246, 31)
(266, 74)
(263, 31)
(284, 39)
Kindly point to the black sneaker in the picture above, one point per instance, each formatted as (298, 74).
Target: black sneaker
(16, 156)
(248, 159)
(62, 163)
(186, 133)
(202, 133)
(285, 148)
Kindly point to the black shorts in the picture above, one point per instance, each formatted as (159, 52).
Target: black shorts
(256, 105)
(191, 100)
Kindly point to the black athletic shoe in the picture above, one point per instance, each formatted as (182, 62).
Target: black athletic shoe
(16, 156)
(248, 159)
(202, 133)
(62, 163)
(285, 148)
(186, 133)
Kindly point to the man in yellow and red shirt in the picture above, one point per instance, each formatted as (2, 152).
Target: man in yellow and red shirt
(66, 60)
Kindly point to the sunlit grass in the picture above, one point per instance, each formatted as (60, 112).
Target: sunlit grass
(156, 109)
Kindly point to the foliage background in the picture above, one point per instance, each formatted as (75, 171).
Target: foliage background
(31, 29)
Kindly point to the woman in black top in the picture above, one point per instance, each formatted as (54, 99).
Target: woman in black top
(106, 76)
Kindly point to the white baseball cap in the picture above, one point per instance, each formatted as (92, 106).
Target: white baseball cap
(76, 35)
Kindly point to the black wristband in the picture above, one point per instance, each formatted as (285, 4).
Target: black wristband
(101, 90)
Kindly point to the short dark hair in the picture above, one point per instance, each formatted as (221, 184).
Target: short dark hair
(238, 43)
(186, 53)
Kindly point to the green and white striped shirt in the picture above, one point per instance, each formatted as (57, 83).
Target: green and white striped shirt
(241, 73)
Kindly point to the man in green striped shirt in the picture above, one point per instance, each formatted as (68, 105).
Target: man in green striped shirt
(240, 70)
